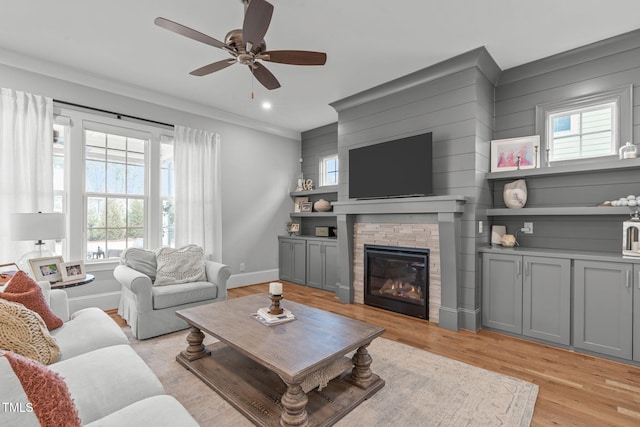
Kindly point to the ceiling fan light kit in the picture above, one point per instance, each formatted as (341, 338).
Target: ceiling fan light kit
(247, 46)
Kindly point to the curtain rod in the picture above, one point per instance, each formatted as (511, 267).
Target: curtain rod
(118, 115)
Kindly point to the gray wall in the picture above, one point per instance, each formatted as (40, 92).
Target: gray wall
(599, 67)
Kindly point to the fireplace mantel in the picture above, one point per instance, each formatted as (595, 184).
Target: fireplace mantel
(406, 205)
(446, 211)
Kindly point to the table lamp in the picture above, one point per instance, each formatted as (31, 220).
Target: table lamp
(38, 227)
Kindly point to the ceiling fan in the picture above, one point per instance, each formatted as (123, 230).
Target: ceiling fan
(247, 46)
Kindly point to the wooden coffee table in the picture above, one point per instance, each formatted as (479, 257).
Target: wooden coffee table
(263, 371)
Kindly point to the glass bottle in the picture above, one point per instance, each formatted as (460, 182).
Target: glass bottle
(628, 151)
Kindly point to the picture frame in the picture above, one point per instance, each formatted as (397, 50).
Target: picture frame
(515, 153)
(306, 207)
(47, 268)
(298, 201)
(73, 270)
(293, 228)
(7, 271)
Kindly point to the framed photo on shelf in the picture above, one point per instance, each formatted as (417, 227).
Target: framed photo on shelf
(47, 268)
(72, 271)
(293, 228)
(306, 207)
(515, 153)
(7, 271)
(298, 201)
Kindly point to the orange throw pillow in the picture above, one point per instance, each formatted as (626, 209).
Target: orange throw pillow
(24, 290)
(46, 391)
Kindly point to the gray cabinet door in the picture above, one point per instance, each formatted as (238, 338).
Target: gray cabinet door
(603, 307)
(292, 259)
(330, 267)
(322, 265)
(636, 310)
(502, 292)
(315, 263)
(546, 299)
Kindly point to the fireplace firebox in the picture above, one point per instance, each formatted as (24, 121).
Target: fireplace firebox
(397, 279)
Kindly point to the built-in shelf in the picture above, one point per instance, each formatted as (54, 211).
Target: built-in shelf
(568, 210)
(322, 190)
(610, 165)
(311, 214)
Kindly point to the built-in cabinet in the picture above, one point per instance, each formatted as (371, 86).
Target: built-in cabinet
(322, 264)
(527, 295)
(309, 261)
(578, 300)
(293, 260)
(603, 308)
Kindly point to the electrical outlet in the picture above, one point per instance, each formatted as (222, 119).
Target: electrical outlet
(480, 226)
(527, 228)
(243, 266)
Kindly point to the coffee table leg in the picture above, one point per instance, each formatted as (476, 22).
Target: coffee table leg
(195, 349)
(361, 374)
(294, 402)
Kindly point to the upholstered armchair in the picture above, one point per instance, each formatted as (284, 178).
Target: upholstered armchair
(149, 308)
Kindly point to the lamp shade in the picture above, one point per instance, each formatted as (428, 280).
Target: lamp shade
(37, 226)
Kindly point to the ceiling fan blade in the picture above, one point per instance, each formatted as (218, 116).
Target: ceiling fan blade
(294, 57)
(264, 76)
(213, 67)
(256, 22)
(189, 32)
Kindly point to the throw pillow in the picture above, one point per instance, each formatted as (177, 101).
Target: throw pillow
(24, 332)
(140, 260)
(46, 391)
(180, 265)
(24, 290)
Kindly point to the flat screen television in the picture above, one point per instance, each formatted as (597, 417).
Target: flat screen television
(399, 168)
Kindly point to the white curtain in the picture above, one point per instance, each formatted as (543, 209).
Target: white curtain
(26, 163)
(198, 208)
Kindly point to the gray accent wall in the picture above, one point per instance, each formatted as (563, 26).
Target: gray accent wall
(599, 67)
(466, 102)
(454, 101)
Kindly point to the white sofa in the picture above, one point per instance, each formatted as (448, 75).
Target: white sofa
(109, 383)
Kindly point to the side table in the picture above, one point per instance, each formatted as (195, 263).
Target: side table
(70, 284)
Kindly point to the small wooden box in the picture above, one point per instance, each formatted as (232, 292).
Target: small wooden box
(322, 231)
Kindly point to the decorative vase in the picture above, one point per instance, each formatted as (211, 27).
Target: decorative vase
(322, 205)
(515, 194)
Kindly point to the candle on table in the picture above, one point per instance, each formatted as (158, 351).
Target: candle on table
(275, 288)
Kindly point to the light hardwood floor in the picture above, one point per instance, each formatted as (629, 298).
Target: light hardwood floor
(574, 389)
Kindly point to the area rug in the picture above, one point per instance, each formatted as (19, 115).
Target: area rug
(422, 389)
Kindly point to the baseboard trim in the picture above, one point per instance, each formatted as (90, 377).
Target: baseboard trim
(244, 279)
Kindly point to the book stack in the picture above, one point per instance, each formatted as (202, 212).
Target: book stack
(263, 316)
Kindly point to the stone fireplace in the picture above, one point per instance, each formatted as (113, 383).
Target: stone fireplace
(397, 235)
(418, 222)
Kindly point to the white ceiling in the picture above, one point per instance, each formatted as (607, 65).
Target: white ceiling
(114, 45)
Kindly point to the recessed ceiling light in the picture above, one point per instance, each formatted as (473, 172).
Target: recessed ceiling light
(266, 105)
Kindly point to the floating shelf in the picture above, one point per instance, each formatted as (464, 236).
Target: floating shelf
(562, 211)
(311, 214)
(322, 190)
(610, 165)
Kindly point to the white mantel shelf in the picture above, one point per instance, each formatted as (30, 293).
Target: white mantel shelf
(405, 205)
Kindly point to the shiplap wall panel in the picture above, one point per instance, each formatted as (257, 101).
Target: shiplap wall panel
(603, 66)
(318, 143)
